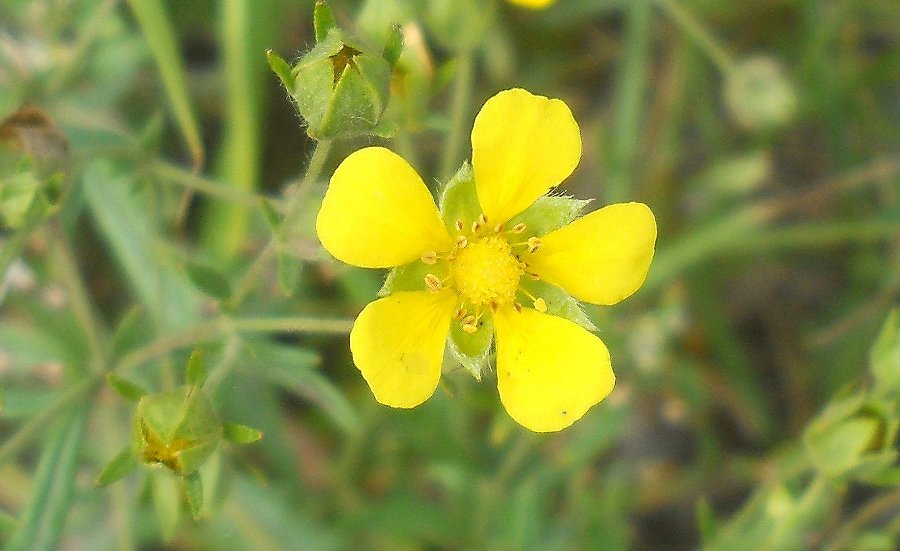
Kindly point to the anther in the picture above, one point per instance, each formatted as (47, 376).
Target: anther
(482, 219)
(433, 282)
(540, 305)
(517, 306)
(461, 241)
(459, 225)
(429, 257)
(534, 244)
(470, 324)
(534, 276)
(498, 228)
(518, 228)
(460, 313)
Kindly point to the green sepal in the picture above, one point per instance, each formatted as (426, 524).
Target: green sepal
(123, 464)
(393, 48)
(241, 434)
(323, 20)
(559, 303)
(193, 489)
(195, 373)
(409, 277)
(459, 199)
(208, 280)
(549, 213)
(473, 349)
(125, 388)
(281, 69)
(20, 200)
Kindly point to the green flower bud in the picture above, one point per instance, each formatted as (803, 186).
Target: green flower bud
(178, 429)
(341, 87)
(759, 94)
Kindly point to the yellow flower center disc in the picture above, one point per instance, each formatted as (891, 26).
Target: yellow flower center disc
(486, 272)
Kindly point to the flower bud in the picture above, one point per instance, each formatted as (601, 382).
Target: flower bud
(178, 429)
(341, 87)
(759, 94)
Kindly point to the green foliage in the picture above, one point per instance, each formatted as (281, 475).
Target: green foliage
(758, 369)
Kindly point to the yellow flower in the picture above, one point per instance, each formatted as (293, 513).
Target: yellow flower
(534, 4)
(377, 213)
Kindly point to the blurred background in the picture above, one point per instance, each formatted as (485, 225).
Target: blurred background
(758, 368)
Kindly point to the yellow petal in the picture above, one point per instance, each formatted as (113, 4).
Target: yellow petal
(522, 146)
(398, 343)
(550, 371)
(377, 212)
(602, 257)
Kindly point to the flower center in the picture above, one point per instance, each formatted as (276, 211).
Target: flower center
(486, 272)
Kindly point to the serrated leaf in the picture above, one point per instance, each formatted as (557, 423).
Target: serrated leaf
(281, 69)
(241, 434)
(193, 488)
(208, 280)
(123, 464)
(125, 388)
(289, 270)
(195, 374)
(323, 20)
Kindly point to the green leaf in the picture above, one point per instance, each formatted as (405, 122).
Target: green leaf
(123, 464)
(49, 502)
(241, 434)
(885, 356)
(394, 46)
(838, 448)
(289, 271)
(193, 487)
(323, 20)
(195, 374)
(295, 370)
(160, 36)
(706, 520)
(273, 218)
(281, 69)
(126, 389)
(129, 331)
(208, 280)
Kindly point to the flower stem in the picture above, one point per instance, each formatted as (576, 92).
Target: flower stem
(462, 97)
(292, 210)
(699, 34)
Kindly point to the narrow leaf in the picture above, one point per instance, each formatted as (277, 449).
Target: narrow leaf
(272, 216)
(208, 280)
(323, 20)
(41, 524)
(167, 502)
(193, 487)
(119, 467)
(289, 269)
(196, 369)
(125, 388)
(160, 36)
(241, 434)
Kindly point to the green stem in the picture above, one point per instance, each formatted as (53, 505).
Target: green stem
(292, 325)
(167, 173)
(699, 34)
(459, 121)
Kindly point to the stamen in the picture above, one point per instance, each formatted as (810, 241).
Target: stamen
(498, 228)
(482, 219)
(534, 276)
(518, 228)
(459, 225)
(430, 258)
(540, 305)
(534, 244)
(433, 283)
(517, 306)
(460, 313)
(461, 241)
(470, 324)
